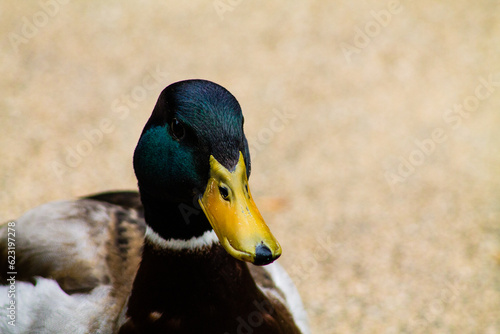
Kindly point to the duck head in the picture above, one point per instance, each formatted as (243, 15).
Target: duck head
(193, 158)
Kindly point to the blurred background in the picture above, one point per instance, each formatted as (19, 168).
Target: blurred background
(373, 127)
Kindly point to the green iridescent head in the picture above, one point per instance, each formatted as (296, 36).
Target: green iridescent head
(192, 120)
(193, 152)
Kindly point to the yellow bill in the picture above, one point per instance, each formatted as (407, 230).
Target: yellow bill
(231, 211)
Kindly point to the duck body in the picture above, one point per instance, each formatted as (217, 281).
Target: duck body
(211, 292)
(173, 259)
(75, 262)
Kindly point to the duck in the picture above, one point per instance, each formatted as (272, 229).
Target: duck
(189, 252)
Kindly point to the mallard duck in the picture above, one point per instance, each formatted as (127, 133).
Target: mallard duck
(174, 259)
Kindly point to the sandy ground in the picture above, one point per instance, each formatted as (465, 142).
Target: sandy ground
(373, 126)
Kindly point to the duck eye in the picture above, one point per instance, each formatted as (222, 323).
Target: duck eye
(177, 129)
(224, 192)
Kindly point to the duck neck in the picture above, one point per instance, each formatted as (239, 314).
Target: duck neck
(192, 285)
(174, 220)
(184, 270)
(181, 287)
